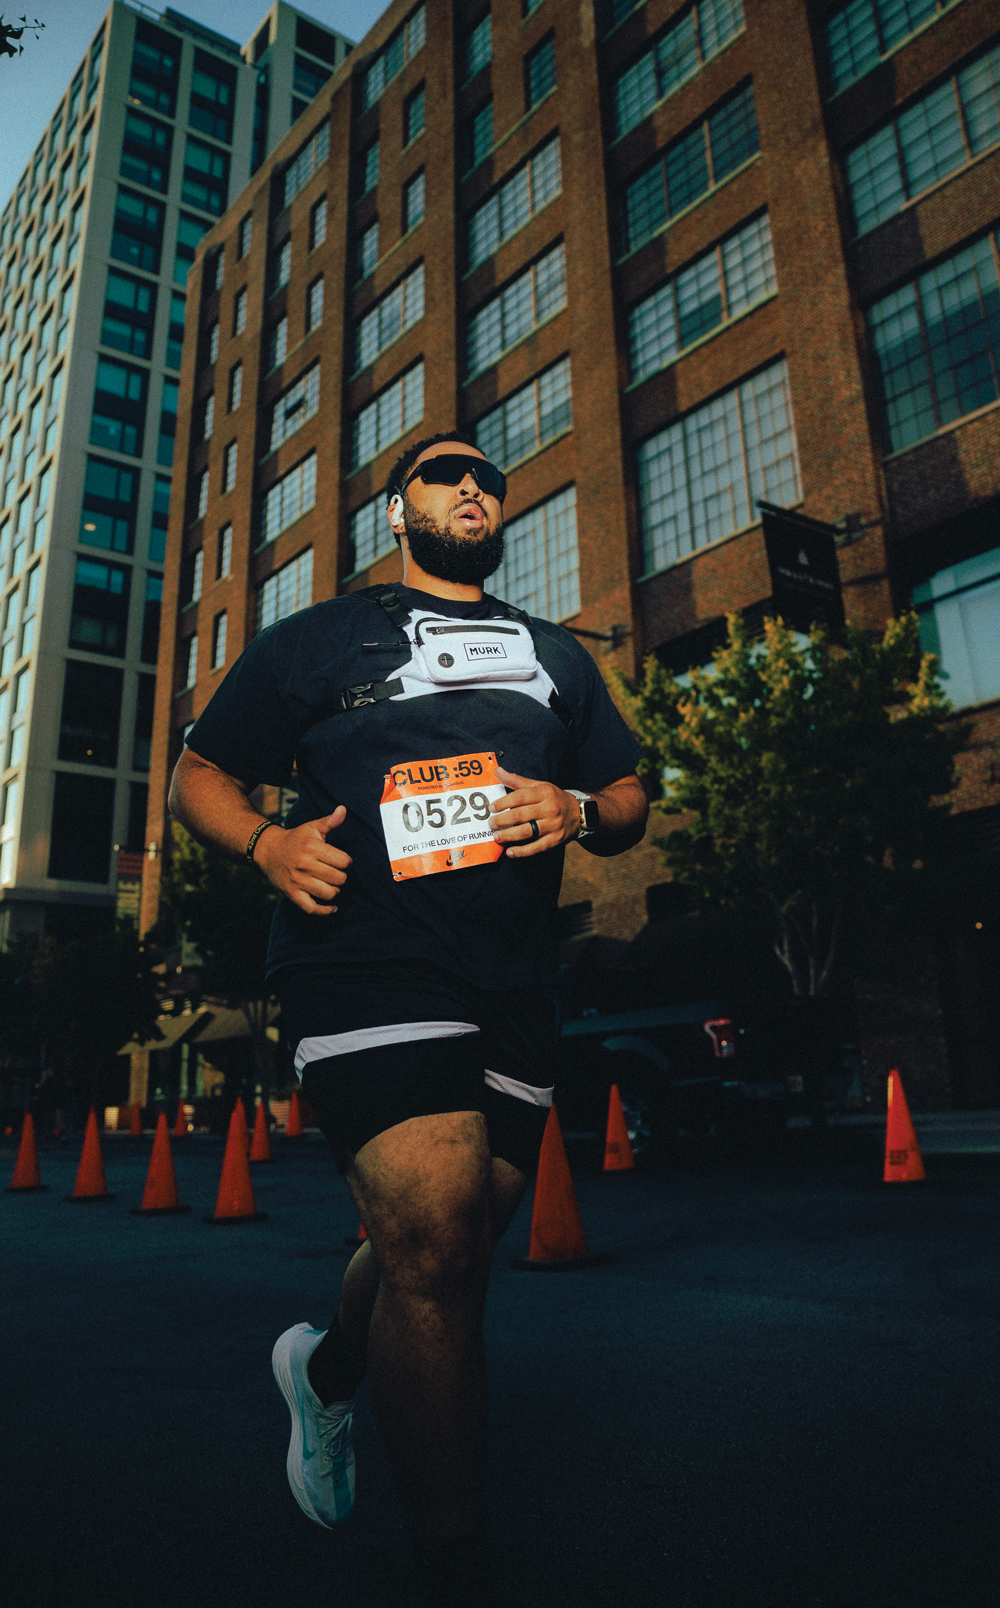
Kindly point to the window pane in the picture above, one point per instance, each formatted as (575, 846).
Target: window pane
(748, 265)
(541, 566)
(733, 133)
(979, 90)
(875, 179)
(930, 136)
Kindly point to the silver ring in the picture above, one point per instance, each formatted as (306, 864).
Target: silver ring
(535, 834)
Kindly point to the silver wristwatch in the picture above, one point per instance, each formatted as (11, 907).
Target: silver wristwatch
(590, 815)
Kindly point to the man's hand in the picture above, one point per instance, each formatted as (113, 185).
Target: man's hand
(303, 866)
(557, 814)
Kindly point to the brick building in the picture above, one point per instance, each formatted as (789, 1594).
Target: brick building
(666, 259)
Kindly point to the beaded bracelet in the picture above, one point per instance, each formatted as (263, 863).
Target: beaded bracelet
(254, 835)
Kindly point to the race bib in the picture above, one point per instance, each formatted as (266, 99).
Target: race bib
(436, 814)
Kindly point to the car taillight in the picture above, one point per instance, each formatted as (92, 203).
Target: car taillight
(723, 1036)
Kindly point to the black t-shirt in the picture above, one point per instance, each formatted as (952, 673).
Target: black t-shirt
(491, 924)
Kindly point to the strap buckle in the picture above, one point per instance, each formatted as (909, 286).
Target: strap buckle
(355, 697)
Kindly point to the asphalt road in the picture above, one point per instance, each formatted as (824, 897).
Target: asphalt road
(781, 1392)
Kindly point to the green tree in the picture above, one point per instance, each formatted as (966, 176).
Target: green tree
(806, 776)
(8, 33)
(224, 910)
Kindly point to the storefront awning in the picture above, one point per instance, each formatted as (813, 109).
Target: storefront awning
(173, 1030)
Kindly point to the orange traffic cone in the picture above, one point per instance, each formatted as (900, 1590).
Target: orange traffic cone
(293, 1122)
(159, 1198)
(180, 1127)
(260, 1150)
(27, 1179)
(557, 1238)
(91, 1183)
(358, 1238)
(240, 1113)
(235, 1202)
(135, 1122)
(903, 1161)
(617, 1146)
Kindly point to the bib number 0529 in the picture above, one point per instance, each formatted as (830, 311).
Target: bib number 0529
(436, 814)
(432, 810)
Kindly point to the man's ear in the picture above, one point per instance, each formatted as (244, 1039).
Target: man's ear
(396, 512)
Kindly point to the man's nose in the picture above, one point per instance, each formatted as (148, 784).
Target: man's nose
(469, 488)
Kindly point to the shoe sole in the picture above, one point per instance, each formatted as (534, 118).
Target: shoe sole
(282, 1368)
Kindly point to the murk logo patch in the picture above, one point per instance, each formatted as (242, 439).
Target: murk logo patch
(485, 650)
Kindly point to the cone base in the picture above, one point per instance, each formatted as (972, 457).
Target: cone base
(25, 1189)
(84, 1200)
(911, 1181)
(157, 1211)
(524, 1264)
(246, 1217)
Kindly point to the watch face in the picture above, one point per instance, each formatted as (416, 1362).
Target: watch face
(591, 814)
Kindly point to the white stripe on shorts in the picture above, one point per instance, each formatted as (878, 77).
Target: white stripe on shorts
(370, 1038)
(520, 1091)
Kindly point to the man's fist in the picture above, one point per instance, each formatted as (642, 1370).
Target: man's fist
(556, 813)
(303, 866)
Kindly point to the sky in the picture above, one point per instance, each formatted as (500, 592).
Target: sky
(31, 84)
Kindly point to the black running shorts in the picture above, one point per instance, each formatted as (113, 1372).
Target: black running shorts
(375, 1045)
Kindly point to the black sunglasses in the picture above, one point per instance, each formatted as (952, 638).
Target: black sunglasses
(451, 468)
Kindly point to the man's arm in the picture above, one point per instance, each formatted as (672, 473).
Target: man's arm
(215, 808)
(622, 805)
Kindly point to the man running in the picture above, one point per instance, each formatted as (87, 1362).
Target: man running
(447, 748)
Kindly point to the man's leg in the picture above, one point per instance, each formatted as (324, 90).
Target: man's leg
(338, 1364)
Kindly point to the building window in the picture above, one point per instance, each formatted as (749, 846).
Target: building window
(540, 72)
(281, 266)
(370, 169)
(286, 591)
(937, 344)
(959, 612)
(129, 314)
(532, 187)
(190, 661)
(278, 343)
(478, 47)
(229, 458)
(413, 115)
(217, 271)
(240, 313)
(108, 517)
(317, 223)
(208, 419)
(213, 92)
(91, 714)
(189, 233)
(137, 234)
(8, 829)
(175, 332)
(314, 303)
(479, 135)
(414, 196)
(83, 814)
(244, 235)
(193, 577)
(367, 251)
(168, 424)
(689, 168)
(119, 407)
(301, 169)
(369, 535)
(160, 519)
(146, 152)
(154, 69)
(202, 494)
(224, 558)
(701, 478)
(206, 177)
(299, 403)
(290, 497)
(389, 416)
(99, 618)
(935, 135)
(388, 319)
(541, 564)
(219, 641)
(860, 34)
(235, 386)
(142, 732)
(152, 605)
(681, 51)
(213, 341)
(719, 286)
(525, 303)
(308, 79)
(531, 418)
(403, 45)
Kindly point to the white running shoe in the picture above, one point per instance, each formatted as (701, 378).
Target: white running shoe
(320, 1455)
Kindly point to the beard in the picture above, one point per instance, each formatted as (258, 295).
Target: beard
(464, 560)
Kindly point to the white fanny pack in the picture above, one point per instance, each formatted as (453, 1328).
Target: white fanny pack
(446, 652)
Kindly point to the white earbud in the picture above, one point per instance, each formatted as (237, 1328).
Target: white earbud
(396, 512)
